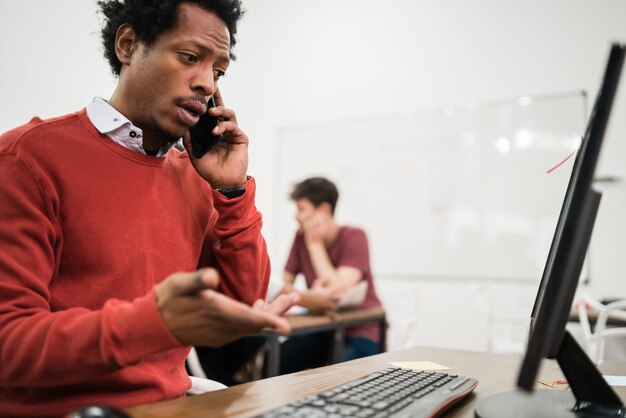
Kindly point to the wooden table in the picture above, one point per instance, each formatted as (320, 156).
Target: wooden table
(592, 315)
(308, 324)
(495, 373)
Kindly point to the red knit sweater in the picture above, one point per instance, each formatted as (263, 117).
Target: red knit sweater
(87, 228)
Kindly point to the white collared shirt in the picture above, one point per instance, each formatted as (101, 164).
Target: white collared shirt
(113, 124)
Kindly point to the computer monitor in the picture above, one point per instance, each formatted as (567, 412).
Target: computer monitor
(590, 396)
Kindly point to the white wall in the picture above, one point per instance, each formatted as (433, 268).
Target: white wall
(310, 61)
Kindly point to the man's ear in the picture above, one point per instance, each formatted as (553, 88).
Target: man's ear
(126, 43)
(325, 208)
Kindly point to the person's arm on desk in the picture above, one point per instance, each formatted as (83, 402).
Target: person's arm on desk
(314, 301)
(319, 302)
(334, 281)
(317, 228)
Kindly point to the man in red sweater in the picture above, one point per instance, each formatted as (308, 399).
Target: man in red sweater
(119, 251)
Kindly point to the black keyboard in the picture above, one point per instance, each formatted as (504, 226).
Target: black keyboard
(392, 392)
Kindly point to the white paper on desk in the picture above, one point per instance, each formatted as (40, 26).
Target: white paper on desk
(354, 296)
(297, 310)
(615, 380)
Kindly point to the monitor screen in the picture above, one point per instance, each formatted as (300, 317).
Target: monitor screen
(548, 337)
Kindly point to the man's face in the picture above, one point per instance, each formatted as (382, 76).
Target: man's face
(168, 83)
(305, 210)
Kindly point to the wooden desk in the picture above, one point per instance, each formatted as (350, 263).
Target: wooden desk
(495, 373)
(308, 324)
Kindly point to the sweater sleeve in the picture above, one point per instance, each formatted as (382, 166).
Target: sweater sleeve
(239, 248)
(43, 346)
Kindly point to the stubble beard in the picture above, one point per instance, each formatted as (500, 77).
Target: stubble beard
(167, 137)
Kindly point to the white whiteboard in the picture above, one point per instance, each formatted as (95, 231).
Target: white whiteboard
(459, 191)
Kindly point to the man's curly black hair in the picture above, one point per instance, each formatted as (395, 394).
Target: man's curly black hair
(151, 18)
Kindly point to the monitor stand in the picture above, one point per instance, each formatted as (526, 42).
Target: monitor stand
(590, 397)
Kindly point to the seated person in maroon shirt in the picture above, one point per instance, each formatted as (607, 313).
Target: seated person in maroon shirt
(333, 259)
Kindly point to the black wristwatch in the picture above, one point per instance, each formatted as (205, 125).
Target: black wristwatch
(232, 192)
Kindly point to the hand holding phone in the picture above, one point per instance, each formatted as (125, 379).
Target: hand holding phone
(220, 159)
(201, 134)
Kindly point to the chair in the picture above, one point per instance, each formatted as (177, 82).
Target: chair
(506, 308)
(199, 382)
(594, 337)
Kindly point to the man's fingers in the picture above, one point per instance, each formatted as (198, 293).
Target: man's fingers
(331, 314)
(283, 302)
(267, 319)
(192, 283)
(244, 317)
(218, 97)
(281, 325)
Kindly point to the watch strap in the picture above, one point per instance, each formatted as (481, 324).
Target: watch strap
(232, 192)
(235, 191)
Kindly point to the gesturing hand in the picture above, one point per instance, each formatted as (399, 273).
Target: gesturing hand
(196, 314)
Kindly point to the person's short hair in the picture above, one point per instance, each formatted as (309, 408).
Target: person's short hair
(151, 18)
(317, 190)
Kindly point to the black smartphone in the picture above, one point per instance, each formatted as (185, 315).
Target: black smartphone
(201, 134)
